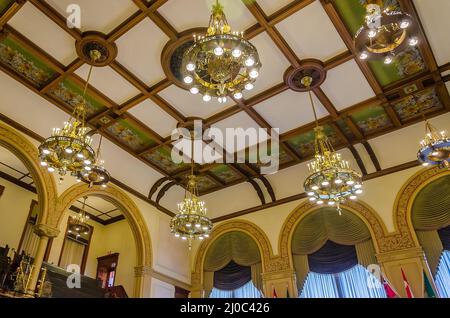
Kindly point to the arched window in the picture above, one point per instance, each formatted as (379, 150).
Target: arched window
(431, 220)
(331, 253)
(232, 267)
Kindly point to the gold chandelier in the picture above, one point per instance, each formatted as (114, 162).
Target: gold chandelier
(191, 221)
(78, 224)
(386, 32)
(331, 180)
(435, 147)
(220, 63)
(69, 149)
(95, 174)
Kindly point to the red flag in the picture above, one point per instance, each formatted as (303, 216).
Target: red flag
(407, 287)
(387, 287)
(274, 293)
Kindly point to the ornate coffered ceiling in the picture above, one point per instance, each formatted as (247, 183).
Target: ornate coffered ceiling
(135, 100)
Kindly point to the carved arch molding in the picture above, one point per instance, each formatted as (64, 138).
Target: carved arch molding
(45, 184)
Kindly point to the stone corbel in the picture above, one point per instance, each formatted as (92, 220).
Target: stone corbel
(45, 230)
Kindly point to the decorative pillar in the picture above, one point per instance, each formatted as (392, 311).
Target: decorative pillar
(197, 288)
(412, 262)
(44, 232)
(281, 281)
(142, 282)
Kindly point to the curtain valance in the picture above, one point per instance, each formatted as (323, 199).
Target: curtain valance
(333, 258)
(232, 276)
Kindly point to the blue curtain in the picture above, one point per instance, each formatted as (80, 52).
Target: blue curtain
(356, 282)
(443, 275)
(247, 291)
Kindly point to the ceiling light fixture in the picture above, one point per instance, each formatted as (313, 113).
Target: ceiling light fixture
(435, 147)
(69, 149)
(95, 174)
(78, 224)
(191, 222)
(221, 63)
(331, 180)
(386, 32)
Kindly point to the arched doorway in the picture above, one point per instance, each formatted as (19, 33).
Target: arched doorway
(238, 228)
(132, 214)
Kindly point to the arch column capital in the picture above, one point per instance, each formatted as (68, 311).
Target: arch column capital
(43, 230)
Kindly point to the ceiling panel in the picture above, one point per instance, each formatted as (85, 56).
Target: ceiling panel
(140, 51)
(153, 116)
(192, 105)
(114, 12)
(110, 83)
(43, 32)
(189, 14)
(311, 34)
(346, 85)
(271, 6)
(11, 160)
(274, 64)
(290, 110)
(435, 21)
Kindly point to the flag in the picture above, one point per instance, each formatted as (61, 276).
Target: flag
(390, 292)
(409, 293)
(428, 288)
(274, 293)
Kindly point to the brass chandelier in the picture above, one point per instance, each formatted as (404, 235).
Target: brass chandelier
(386, 32)
(95, 174)
(191, 221)
(331, 180)
(78, 224)
(220, 63)
(435, 147)
(69, 149)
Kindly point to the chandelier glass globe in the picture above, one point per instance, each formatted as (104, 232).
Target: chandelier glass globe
(385, 33)
(220, 63)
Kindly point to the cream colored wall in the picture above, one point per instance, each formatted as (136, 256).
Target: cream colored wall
(14, 208)
(113, 238)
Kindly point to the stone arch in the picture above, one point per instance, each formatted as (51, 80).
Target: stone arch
(406, 196)
(246, 227)
(45, 183)
(132, 214)
(375, 225)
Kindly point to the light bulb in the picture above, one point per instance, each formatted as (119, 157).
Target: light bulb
(236, 53)
(206, 235)
(338, 181)
(194, 90)
(206, 98)
(222, 100)
(204, 228)
(197, 225)
(177, 235)
(50, 169)
(350, 182)
(325, 183)
(46, 151)
(358, 186)
(188, 224)
(218, 51)
(310, 194)
(44, 164)
(237, 95)
(372, 33)
(312, 199)
(253, 74)
(201, 238)
(413, 41)
(425, 164)
(363, 56)
(331, 203)
(188, 79)
(388, 59)
(184, 238)
(250, 62)
(315, 188)
(78, 180)
(80, 155)
(88, 168)
(249, 86)
(320, 202)
(69, 150)
(353, 197)
(190, 67)
(359, 191)
(87, 162)
(103, 185)
(404, 24)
